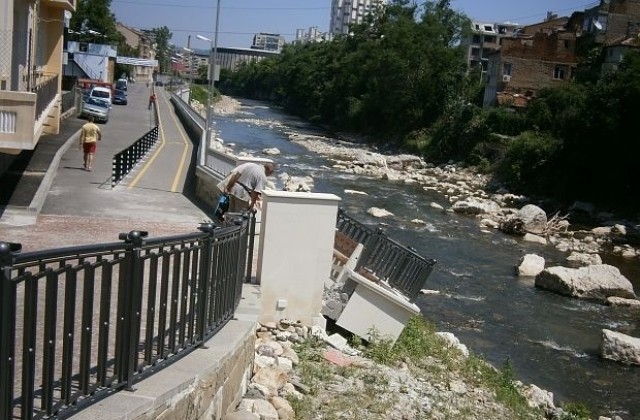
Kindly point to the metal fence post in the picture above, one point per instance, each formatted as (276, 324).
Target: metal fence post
(203, 281)
(130, 315)
(7, 328)
(252, 236)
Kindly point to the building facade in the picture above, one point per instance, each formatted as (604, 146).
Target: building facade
(345, 13)
(546, 54)
(268, 42)
(232, 58)
(145, 62)
(527, 63)
(31, 58)
(485, 39)
(313, 34)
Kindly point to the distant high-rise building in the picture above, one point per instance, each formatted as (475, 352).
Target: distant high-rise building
(312, 35)
(268, 42)
(347, 12)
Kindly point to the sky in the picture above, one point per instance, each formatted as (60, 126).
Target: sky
(239, 20)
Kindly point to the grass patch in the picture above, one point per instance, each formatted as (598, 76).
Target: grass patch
(426, 352)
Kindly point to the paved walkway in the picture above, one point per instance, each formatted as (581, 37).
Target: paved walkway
(55, 203)
(74, 207)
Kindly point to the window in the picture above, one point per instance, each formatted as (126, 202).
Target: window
(488, 28)
(560, 72)
(490, 39)
(506, 69)
(566, 44)
(476, 39)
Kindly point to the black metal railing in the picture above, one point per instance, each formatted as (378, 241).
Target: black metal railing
(45, 93)
(79, 323)
(124, 161)
(402, 267)
(68, 100)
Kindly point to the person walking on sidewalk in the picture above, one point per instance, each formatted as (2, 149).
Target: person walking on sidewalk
(89, 135)
(152, 100)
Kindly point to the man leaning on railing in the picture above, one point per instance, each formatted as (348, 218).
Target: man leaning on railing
(244, 185)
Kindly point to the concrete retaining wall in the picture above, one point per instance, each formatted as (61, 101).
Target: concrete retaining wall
(206, 384)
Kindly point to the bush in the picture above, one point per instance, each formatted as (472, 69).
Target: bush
(529, 165)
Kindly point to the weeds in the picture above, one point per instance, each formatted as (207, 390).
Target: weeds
(576, 411)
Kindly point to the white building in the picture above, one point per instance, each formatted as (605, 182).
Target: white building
(347, 12)
(268, 42)
(312, 35)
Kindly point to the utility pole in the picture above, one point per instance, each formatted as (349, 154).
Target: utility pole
(213, 61)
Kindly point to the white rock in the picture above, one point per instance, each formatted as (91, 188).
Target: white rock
(530, 265)
(452, 341)
(378, 212)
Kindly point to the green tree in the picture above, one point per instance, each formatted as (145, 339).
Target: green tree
(161, 37)
(96, 16)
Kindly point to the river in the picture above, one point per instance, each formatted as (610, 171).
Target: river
(551, 340)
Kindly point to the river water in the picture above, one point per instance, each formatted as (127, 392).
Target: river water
(551, 340)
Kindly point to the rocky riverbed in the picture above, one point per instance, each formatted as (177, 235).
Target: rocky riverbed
(471, 194)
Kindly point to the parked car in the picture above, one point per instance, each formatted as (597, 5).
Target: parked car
(122, 84)
(96, 108)
(120, 97)
(102, 93)
(159, 83)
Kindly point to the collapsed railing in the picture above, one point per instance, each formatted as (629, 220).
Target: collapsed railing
(123, 162)
(81, 322)
(403, 268)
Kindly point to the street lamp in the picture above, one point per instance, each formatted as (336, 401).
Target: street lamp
(214, 62)
(212, 72)
(190, 51)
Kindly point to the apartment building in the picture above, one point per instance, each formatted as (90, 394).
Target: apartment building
(31, 57)
(268, 42)
(527, 63)
(345, 13)
(485, 39)
(145, 62)
(546, 54)
(313, 34)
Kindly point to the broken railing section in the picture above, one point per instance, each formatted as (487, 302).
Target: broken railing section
(374, 281)
(384, 259)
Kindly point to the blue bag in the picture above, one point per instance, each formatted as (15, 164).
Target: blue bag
(222, 207)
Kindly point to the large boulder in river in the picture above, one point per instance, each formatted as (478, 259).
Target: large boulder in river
(475, 206)
(529, 218)
(620, 347)
(596, 282)
(530, 265)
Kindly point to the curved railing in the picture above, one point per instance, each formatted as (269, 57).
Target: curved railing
(124, 161)
(81, 322)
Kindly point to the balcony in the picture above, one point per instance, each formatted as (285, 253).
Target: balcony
(69, 5)
(23, 115)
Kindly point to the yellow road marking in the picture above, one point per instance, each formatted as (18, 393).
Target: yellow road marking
(181, 166)
(148, 163)
(183, 159)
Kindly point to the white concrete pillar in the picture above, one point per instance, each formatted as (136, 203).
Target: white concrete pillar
(295, 254)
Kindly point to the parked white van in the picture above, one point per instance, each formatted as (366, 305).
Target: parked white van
(101, 93)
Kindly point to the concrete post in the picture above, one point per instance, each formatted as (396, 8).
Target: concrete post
(295, 254)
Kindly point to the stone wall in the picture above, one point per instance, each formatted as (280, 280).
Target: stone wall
(206, 384)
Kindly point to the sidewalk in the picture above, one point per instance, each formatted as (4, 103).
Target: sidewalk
(56, 203)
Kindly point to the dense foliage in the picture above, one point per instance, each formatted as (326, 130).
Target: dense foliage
(161, 37)
(401, 79)
(94, 22)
